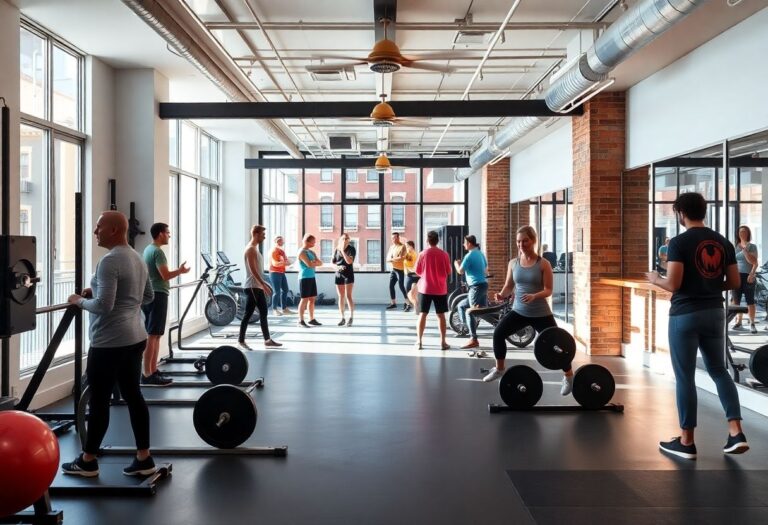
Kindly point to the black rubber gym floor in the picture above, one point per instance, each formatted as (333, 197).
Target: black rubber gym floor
(408, 439)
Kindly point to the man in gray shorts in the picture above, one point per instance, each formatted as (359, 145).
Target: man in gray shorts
(118, 289)
(156, 312)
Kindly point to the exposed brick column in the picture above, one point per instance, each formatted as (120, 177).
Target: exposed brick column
(598, 161)
(495, 222)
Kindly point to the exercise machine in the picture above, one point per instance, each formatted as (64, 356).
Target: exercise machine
(758, 357)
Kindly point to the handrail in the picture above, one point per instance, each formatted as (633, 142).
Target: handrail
(182, 285)
(52, 308)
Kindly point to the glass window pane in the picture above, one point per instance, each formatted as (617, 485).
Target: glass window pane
(439, 185)
(173, 143)
(325, 215)
(666, 184)
(701, 180)
(409, 230)
(405, 190)
(751, 182)
(321, 183)
(373, 217)
(188, 147)
(172, 248)
(32, 69)
(187, 234)
(281, 185)
(326, 250)
(214, 154)
(546, 233)
(752, 215)
(665, 225)
(350, 217)
(205, 156)
(205, 219)
(285, 221)
(352, 176)
(66, 88)
(436, 216)
(34, 218)
(371, 259)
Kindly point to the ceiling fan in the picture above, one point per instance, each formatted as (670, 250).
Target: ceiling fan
(385, 57)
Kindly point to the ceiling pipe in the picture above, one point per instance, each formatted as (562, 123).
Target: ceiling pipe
(636, 28)
(406, 26)
(209, 57)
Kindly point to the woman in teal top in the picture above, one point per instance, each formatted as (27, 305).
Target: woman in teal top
(308, 261)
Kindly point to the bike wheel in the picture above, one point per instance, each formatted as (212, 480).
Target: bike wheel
(454, 320)
(220, 310)
(453, 303)
(522, 338)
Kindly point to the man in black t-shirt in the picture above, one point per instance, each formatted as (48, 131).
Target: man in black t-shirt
(701, 264)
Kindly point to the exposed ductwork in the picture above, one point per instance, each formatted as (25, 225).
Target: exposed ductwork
(636, 28)
(231, 80)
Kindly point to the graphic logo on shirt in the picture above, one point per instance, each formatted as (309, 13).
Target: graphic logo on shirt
(709, 259)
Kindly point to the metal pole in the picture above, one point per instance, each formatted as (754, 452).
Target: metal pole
(5, 153)
(78, 290)
(726, 229)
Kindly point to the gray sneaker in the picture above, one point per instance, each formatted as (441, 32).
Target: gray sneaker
(566, 386)
(493, 375)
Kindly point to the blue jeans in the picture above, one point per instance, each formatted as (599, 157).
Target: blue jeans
(478, 295)
(702, 330)
(279, 290)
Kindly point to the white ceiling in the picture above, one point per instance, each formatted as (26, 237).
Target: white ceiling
(111, 31)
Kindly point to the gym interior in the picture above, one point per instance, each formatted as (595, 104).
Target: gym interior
(585, 119)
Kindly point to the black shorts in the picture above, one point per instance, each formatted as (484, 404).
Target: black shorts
(745, 289)
(308, 287)
(155, 314)
(344, 278)
(426, 300)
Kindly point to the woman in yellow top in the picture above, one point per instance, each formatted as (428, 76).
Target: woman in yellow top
(409, 265)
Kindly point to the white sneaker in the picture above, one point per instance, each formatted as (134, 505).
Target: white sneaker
(278, 313)
(286, 311)
(493, 375)
(566, 385)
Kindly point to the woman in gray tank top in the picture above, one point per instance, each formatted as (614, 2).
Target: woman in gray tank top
(529, 277)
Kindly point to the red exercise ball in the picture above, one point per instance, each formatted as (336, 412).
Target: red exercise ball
(29, 459)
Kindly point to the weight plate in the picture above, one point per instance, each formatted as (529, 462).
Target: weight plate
(221, 311)
(521, 387)
(593, 386)
(225, 416)
(522, 338)
(555, 348)
(226, 365)
(454, 320)
(199, 364)
(758, 364)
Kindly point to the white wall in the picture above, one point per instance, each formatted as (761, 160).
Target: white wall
(543, 167)
(717, 91)
(474, 198)
(236, 199)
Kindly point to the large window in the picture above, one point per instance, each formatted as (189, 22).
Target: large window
(50, 173)
(194, 207)
(368, 204)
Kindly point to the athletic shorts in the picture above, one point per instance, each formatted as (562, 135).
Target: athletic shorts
(308, 287)
(344, 278)
(155, 314)
(440, 301)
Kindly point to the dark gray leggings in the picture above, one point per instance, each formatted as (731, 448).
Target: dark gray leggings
(255, 299)
(107, 366)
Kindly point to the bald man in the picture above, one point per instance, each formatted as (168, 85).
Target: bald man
(118, 289)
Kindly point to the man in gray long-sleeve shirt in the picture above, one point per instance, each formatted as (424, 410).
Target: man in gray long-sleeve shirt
(118, 289)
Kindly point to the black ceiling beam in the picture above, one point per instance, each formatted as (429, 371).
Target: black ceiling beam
(402, 108)
(416, 162)
(712, 162)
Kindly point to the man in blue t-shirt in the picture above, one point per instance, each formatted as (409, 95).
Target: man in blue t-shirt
(474, 267)
(701, 264)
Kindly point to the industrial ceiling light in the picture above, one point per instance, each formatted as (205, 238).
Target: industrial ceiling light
(383, 115)
(382, 163)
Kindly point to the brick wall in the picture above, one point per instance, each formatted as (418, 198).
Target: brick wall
(598, 161)
(495, 221)
(635, 240)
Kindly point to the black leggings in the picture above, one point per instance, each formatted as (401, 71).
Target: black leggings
(512, 323)
(107, 366)
(397, 276)
(255, 298)
(410, 281)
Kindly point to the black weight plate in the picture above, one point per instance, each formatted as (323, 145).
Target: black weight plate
(226, 365)
(239, 410)
(523, 337)
(555, 348)
(593, 386)
(758, 364)
(521, 387)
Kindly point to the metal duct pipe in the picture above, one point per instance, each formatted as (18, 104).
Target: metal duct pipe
(233, 87)
(639, 26)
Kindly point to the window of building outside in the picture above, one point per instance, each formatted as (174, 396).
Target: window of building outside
(326, 250)
(193, 208)
(50, 173)
(372, 206)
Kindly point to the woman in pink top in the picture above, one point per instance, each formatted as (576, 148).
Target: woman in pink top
(434, 267)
